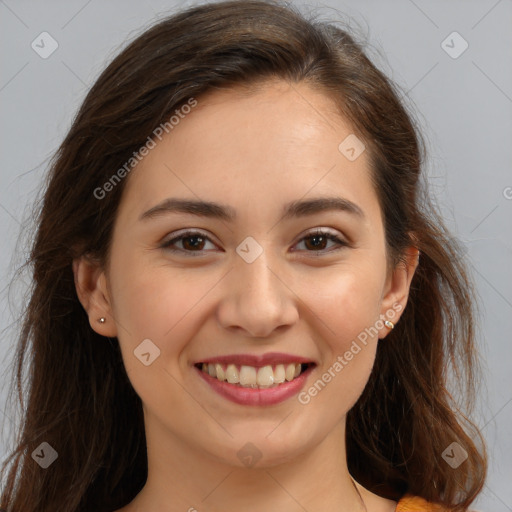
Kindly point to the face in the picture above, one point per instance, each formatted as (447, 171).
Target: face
(266, 284)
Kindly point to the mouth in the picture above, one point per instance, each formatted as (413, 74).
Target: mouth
(254, 377)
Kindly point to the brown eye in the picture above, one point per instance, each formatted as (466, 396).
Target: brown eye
(191, 242)
(318, 240)
(197, 242)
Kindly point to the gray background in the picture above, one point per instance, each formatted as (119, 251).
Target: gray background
(464, 105)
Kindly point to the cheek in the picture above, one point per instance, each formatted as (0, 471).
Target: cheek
(349, 306)
(159, 307)
(348, 303)
(159, 303)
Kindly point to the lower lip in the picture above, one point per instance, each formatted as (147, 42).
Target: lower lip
(255, 396)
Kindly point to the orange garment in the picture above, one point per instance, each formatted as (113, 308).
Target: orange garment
(411, 503)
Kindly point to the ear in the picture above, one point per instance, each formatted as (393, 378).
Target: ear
(92, 290)
(397, 288)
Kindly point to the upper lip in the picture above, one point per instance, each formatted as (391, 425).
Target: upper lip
(271, 358)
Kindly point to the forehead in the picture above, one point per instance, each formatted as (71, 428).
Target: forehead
(274, 105)
(274, 141)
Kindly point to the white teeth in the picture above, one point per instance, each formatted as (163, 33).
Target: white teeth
(290, 372)
(279, 374)
(220, 372)
(248, 376)
(265, 377)
(232, 374)
(251, 377)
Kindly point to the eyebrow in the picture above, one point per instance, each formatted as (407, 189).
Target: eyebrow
(227, 213)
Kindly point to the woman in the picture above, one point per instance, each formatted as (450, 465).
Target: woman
(241, 297)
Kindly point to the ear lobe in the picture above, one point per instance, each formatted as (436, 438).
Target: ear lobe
(92, 292)
(399, 283)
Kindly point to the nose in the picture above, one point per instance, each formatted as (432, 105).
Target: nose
(256, 299)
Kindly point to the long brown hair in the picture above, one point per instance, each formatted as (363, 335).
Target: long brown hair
(79, 398)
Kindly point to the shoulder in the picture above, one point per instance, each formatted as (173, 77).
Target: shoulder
(410, 503)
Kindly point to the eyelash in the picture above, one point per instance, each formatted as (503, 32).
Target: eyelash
(191, 234)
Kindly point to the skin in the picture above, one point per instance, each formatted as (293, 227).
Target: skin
(276, 145)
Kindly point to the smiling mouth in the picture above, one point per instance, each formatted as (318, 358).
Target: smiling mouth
(263, 377)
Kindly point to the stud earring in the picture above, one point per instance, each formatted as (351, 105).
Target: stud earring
(101, 320)
(389, 324)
